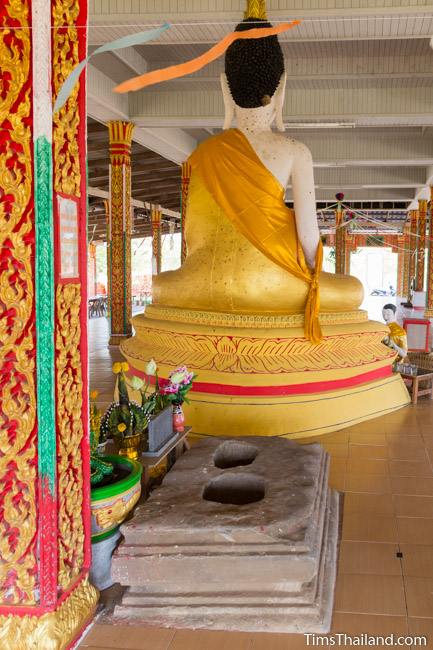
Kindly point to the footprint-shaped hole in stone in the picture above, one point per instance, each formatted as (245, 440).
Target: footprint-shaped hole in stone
(234, 453)
(236, 489)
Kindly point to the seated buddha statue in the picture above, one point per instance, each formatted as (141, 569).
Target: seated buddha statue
(246, 251)
(278, 347)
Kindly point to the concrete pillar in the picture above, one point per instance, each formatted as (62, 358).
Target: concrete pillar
(45, 597)
(120, 136)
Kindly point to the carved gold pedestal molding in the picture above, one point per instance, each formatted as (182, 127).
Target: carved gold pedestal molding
(257, 375)
(52, 631)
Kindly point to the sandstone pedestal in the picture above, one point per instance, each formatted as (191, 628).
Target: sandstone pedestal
(240, 536)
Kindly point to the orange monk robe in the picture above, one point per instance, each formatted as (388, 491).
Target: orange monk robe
(399, 336)
(253, 199)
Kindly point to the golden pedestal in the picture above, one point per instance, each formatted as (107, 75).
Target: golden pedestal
(258, 375)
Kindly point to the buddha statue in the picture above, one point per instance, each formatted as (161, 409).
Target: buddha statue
(279, 347)
(247, 252)
(397, 338)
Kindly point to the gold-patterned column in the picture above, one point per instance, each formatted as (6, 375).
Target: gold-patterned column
(340, 241)
(429, 291)
(91, 270)
(45, 550)
(186, 177)
(120, 137)
(413, 247)
(400, 250)
(348, 252)
(405, 287)
(420, 245)
(156, 215)
(108, 230)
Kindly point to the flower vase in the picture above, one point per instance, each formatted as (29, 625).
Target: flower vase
(178, 418)
(129, 446)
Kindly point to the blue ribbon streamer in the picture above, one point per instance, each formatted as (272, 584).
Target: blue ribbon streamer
(126, 41)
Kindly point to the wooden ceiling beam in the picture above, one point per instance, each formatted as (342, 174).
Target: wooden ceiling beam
(156, 184)
(98, 171)
(148, 157)
(155, 197)
(96, 127)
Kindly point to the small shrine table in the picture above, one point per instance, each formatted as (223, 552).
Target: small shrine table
(414, 381)
(175, 446)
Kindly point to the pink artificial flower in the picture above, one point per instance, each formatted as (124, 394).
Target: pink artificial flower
(171, 388)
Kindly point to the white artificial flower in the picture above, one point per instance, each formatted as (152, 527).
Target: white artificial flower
(151, 368)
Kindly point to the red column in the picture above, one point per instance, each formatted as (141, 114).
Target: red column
(429, 294)
(413, 247)
(45, 597)
(120, 134)
(91, 270)
(156, 240)
(340, 241)
(420, 245)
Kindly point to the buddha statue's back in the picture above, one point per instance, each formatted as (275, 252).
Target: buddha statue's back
(279, 347)
(223, 270)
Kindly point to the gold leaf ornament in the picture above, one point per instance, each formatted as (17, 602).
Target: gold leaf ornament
(256, 9)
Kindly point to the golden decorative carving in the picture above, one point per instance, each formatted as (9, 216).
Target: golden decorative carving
(70, 432)
(120, 135)
(256, 9)
(54, 630)
(247, 354)
(18, 463)
(421, 242)
(221, 319)
(156, 241)
(115, 513)
(340, 242)
(66, 122)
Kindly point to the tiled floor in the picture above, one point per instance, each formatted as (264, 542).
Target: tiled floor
(384, 468)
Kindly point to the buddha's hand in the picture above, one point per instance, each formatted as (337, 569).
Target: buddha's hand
(402, 352)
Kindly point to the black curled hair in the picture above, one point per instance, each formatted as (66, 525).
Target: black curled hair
(390, 306)
(254, 66)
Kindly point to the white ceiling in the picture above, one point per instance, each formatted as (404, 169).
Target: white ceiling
(363, 64)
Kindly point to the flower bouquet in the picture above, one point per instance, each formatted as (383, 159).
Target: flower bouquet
(179, 383)
(125, 420)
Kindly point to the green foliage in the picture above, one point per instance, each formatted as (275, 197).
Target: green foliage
(98, 467)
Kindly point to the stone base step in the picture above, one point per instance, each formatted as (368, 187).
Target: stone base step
(308, 611)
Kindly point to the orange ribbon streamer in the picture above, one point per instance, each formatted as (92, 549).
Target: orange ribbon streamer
(183, 69)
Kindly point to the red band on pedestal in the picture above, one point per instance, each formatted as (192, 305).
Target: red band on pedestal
(279, 391)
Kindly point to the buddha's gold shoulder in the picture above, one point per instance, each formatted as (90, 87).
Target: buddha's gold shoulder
(396, 329)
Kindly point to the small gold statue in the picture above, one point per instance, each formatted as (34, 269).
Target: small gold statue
(397, 339)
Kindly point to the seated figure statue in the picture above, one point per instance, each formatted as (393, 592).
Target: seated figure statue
(247, 252)
(278, 346)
